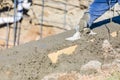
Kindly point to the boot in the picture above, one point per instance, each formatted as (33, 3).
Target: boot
(75, 36)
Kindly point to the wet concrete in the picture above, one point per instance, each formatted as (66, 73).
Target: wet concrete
(30, 61)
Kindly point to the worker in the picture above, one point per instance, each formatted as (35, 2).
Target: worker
(96, 9)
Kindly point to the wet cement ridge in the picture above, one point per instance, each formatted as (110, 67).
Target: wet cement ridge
(49, 44)
(30, 61)
(16, 59)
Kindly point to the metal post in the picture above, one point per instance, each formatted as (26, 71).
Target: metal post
(15, 24)
(65, 13)
(42, 19)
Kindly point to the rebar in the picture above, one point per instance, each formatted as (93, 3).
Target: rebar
(7, 31)
(15, 24)
(42, 19)
(19, 32)
(65, 14)
(7, 35)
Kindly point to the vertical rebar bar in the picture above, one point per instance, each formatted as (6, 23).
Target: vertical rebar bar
(19, 32)
(114, 9)
(7, 35)
(110, 9)
(108, 31)
(7, 31)
(15, 24)
(42, 19)
(65, 14)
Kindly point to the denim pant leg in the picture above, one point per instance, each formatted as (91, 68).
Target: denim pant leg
(97, 9)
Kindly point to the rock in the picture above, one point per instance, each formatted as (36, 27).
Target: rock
(115, 65)
(68, 77)
(106, 66)
(53, 76)
(108, 50)
(91, 67)
(62, 76)
(114, 34)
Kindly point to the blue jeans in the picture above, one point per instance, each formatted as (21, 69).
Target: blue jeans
(98, 8)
